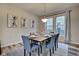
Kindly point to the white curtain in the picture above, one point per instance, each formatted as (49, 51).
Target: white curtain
(67, 27)
(54, 24)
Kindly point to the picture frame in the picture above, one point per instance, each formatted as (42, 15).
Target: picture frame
(11, 21)
(23, 22)
(32, 23)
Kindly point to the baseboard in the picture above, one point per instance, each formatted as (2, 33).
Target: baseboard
(10, 44)
(74, 44)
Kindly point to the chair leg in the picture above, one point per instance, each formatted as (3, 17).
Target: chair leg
(53, 50)
(41, 49)
(57, 44)
(50, 52)
(24, 52)
(38, 52)
(30, 54)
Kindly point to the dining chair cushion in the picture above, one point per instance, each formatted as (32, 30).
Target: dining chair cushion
(48, 40)
(29, 46)
(26, 43)
(51, 43)
(34, 46)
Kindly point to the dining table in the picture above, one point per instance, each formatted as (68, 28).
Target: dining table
(40, 39)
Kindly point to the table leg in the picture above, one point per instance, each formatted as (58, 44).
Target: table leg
(41, 47)
(42, 44)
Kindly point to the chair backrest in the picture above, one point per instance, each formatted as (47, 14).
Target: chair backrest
(56, 37)
(26, 43)
(52, 41)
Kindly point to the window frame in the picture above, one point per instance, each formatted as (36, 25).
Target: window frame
(46, 24)
(54, 23)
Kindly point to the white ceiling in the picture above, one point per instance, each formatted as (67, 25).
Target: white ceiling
(38, 8)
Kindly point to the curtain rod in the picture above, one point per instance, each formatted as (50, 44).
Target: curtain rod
(56, 13)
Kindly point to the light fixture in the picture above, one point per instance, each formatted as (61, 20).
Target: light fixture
(44, 19)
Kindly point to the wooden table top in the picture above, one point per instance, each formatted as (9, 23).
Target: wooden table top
(39, 38)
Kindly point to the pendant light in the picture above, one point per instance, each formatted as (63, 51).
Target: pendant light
(44, 19)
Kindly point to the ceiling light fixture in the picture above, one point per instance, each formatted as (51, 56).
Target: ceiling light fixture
(44, 19)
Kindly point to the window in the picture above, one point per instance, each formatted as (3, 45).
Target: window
(60, 24)
(56, 24)
(49, 25)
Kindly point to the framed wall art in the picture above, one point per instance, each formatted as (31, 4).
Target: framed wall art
(23, 22)
(32, 24)
(11, 21)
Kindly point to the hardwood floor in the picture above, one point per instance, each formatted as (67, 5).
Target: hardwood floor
(19, 47)
(17, 50)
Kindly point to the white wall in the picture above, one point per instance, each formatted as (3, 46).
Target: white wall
(13, 35)
(0, 26)
(75, 25)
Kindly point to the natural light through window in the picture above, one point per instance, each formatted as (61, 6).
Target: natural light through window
(60, 24)
(49, 25)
